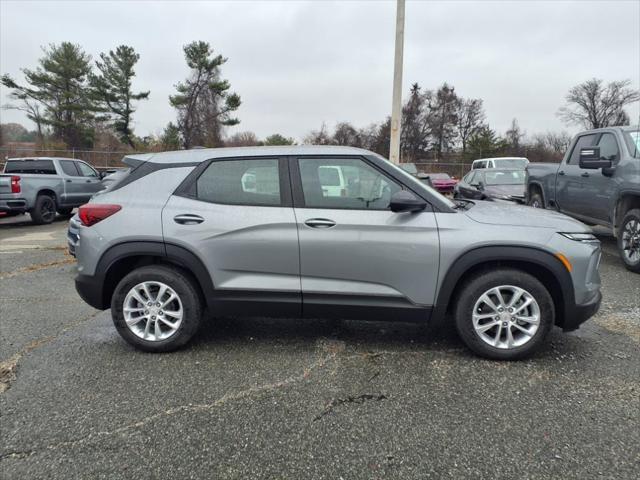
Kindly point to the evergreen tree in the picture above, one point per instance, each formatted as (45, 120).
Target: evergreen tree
(170, 138)
(60, 85)
(203, 101)
(414, 136)
(112, 88)
(486, 143)
(443, 119)
(277, 139)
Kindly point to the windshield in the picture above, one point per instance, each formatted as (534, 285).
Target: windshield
(505, 177)
(510, 162)
(633, 142)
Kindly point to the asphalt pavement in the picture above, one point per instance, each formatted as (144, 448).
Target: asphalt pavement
(257, 398)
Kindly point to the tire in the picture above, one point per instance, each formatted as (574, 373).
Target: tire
(65, 212)
(629, 237)
(536, 200)
(469, 296)
(188, 299)
(44, 211)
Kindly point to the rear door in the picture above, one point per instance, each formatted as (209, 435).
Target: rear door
(570, 189)
(354, 252)
(236, 215)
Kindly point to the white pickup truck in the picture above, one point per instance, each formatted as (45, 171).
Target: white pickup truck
(43, 186)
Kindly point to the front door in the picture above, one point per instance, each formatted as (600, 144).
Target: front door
(354, 251)
(570, 190)
(91, 183)
(599, 187)
(238, 219)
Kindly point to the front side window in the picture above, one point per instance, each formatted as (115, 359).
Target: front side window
(583, 141)
(240, 182)
(609, 147)
(352, 184)
(86, 170)
(69, 168)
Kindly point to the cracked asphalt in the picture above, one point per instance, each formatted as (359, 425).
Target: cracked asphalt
(256, 398)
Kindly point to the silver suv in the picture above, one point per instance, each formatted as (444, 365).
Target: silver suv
(262, 232)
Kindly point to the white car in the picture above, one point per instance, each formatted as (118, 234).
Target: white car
(500, 162)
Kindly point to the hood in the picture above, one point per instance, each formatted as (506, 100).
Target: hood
(493, 213)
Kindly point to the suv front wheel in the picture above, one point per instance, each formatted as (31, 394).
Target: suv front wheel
(156, 308)
(504, 314)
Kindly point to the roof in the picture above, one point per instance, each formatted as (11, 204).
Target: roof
(201, 154)
(41, 158)
(501, 158)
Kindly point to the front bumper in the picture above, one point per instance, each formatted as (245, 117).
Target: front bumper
(581, 313)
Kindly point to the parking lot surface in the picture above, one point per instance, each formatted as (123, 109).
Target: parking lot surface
(256, 398)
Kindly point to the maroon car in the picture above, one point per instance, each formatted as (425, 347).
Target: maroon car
(443, 183)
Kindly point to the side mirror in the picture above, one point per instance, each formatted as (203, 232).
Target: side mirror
(102, 174)
(481, 186)
(590, 158)
(405, 201)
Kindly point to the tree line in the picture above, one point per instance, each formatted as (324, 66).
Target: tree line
(76, 102)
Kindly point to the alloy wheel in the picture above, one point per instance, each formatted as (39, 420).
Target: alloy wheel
(506, 317)
(631, 240)
(48, 210)
(153, 311)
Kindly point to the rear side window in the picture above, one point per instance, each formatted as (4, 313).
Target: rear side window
(583, 141)
(240, 182)
(69, 168)
(40, 167)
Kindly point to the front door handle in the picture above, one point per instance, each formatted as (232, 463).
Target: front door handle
(188, 219)
(561, 172)
(320, 223)
(585, 174)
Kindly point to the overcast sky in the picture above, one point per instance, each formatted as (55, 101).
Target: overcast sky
(298, 64)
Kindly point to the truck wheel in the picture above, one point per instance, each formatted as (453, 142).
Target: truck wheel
(156, 308)
(44, 211)
(65, 212)
(629, 240)
(504, 314)
(536, 200)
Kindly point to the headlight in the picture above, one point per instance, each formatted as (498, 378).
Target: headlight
(581, 237)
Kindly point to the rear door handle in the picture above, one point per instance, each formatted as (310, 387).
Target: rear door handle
(585, 174)
(561, 172)
(188, 219)
(320, 223)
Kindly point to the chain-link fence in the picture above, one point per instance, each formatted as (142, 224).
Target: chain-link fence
(97, 158)
(457, 170)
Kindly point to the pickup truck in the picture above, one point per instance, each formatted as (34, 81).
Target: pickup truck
(597, 182)
(43, 186)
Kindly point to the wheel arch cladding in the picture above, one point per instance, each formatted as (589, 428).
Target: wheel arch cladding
(121, 259)
(539, 263)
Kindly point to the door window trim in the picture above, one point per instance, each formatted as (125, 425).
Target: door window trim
(187, 187)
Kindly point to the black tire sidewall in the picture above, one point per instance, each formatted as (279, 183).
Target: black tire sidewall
(630, 215)
(36, 216)
(181, 284)
(478, 285)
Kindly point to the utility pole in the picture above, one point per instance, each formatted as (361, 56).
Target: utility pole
(396, 108)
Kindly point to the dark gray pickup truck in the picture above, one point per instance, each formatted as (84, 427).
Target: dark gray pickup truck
(598, 182)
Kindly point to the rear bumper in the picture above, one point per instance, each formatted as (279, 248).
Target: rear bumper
(581, 313)
(90, 290)
(18, 205)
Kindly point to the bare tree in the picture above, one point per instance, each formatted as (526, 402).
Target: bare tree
(242, 139)
(416, 128)
(319, 137)
(471, 117)
(594, 105)
(32, 110)
(346, 134)
(514, 137)
(443, 119)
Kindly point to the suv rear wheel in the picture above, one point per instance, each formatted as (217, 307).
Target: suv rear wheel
(629, 240)
(156, 308)
(504, 314)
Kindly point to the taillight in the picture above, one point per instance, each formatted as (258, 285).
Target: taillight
(92, 213)
(15, 184)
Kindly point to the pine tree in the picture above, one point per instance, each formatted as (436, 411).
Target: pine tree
(112, 90)
(203, 101)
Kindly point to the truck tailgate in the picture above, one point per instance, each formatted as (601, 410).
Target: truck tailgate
(5, 184)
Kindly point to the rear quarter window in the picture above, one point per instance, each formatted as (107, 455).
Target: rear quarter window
(37, 167)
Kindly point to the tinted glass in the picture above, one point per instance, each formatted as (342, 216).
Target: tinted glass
(584, 141)
(240, 182)
(609, 147)
(69, 168)
(42, 167)
(365, 187)
(504, 177)
(510, 163)
(86, 170)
